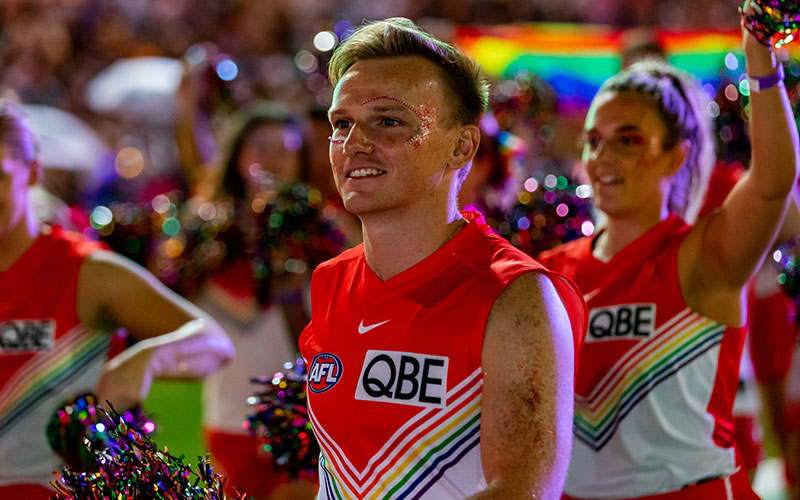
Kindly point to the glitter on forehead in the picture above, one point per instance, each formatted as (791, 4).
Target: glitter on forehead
(413, 110)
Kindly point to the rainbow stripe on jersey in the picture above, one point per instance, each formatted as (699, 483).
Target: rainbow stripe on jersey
(48, 371)
(677, 343)
(414, 458)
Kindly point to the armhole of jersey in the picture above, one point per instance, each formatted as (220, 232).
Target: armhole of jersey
(314, 294)
(577, 310)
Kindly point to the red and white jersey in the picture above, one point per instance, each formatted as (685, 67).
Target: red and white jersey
(46, 355)
(260, 335)
(656, 380)
(395, 366)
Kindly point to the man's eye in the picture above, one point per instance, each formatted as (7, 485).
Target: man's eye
(339, 124)
(389, 122)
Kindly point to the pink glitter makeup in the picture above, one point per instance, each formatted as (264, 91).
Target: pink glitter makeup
(425, 128)
(425, 116)
(413, 110)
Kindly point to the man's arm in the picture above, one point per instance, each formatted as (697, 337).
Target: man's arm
(176, 339)
(526, 409)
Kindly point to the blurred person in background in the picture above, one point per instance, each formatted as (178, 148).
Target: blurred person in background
(493, 181)
(321, 177)
(62, 296)
(258, 232)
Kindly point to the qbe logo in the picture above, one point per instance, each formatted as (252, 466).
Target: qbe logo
(626, 321)
(26, 335)
(325, 371)
(403, 377)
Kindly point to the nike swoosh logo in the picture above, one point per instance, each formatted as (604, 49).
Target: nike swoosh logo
(364, 329)
(589, 296)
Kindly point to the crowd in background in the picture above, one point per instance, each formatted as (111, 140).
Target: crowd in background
(53, 50)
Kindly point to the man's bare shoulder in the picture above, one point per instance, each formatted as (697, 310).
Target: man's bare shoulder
(526, 301)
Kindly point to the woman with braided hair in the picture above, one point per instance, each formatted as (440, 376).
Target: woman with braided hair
(659, 368)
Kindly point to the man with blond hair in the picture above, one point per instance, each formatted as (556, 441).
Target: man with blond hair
(440, 358)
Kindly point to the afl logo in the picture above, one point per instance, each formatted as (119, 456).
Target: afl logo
(325, 371)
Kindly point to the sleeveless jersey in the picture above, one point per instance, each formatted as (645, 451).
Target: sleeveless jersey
(46, 354)
(656, 380)
(394, 384)
(260, 335)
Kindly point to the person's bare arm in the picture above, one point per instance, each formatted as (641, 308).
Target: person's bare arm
(732, 241)
(790, 227)
(526, 408)
(176, 339)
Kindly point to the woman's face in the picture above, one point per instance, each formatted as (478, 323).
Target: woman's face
(624, 155)
(270, 149)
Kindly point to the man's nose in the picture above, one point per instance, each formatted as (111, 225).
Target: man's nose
(357, 141)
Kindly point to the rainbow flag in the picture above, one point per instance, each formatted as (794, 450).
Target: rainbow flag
(576, 59)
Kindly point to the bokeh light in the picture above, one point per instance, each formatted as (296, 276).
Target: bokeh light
(129, 162)
(161, 204)
(343, 29)
(731, 62)
(325, 41)
(227, 70)
(196, 54)
(583, 191)
(101, 216)
(731, 93)
(306, 61)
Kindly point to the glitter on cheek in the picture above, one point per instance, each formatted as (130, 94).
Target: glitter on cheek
(424, 131)
(335, 141)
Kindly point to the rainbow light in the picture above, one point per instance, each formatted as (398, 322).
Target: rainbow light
(576, 59)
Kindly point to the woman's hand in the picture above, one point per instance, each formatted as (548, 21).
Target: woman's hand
(759, 56)
(126, 379)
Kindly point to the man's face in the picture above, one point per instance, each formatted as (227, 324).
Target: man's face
(15, 181)
(392, 139)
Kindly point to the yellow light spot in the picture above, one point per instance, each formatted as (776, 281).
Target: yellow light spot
(173, 247)
(129, 162)
(314, 197)
(258, 205)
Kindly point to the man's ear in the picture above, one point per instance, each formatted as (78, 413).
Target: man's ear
(469, 138)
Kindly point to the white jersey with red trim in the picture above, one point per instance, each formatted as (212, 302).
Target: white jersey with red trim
(260, 335)
(395, 380)
(656, 380)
